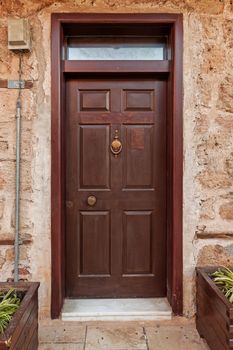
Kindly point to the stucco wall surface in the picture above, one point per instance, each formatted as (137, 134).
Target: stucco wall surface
(208, 135)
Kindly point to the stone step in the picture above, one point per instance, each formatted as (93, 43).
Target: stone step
(133, 309)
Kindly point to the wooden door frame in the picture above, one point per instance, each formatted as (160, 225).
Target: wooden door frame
(174, 66)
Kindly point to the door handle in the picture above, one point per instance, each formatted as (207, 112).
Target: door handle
(116, 145)
(91, 201)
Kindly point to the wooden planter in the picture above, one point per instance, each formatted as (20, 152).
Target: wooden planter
(22, 332)
(214, 318)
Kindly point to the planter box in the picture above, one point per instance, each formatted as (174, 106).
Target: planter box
(214, 318)
(22, 331)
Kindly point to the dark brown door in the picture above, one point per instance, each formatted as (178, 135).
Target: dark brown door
(116, 246)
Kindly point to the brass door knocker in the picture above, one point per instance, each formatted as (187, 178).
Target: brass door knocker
(91, 201)
(116, 145)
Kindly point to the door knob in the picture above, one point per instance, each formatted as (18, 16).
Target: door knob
(116, 145)
(91, 200)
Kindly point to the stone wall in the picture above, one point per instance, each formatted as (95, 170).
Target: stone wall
(208, 138)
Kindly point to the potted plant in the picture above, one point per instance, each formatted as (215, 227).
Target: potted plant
(19, 318)
(214, 318)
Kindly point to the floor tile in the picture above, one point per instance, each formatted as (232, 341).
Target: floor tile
(115, 338)
(62, 333)
(174, 338)
(59, 346)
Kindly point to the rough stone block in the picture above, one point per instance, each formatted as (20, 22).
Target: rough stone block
(228, 32)
(2, 261)
(7, 110)
(2, 182)
(4, 146)
(225, 120)
(229, 164)
(212, 179)
(225, 100)
(213, 56)
(201, 124)
(204, 91)
(215, 255)
(210, 6)
(212, 28)
(26, 221)
(2, 205)
(207, 209)
(226, 211)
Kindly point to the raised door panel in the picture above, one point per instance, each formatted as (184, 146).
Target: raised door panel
(137, 243)
(94, 100)
(94, 164)
(138, 164)
(95, 243)
(138, 100)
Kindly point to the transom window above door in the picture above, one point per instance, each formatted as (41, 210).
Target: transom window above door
(116, 48)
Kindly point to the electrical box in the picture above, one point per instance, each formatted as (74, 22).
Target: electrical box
(19, 37)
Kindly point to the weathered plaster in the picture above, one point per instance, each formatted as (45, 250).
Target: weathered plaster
(208, 141)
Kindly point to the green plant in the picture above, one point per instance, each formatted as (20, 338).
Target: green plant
(223, 277)
(9, 303)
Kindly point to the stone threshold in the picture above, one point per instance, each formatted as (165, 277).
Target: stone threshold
(126, 309)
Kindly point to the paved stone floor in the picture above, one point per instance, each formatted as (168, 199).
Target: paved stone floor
(177, 334)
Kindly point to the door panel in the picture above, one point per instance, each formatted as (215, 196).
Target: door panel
(138, 100)
(138, 162)
(93, 156)
(95, 243)
(137, 243)
(93, 100)
(117, 246)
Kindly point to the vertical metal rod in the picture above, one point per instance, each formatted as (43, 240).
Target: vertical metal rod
(17, 178)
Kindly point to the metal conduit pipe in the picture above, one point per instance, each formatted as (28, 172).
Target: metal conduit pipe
(17, 177)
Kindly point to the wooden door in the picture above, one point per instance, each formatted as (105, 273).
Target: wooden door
(115, 247)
